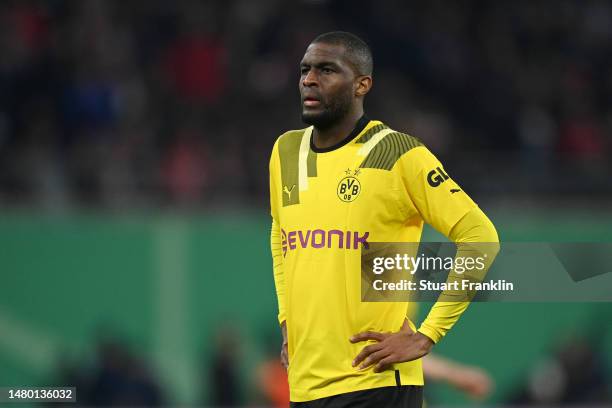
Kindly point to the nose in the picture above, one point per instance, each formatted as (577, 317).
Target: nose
(310, 79)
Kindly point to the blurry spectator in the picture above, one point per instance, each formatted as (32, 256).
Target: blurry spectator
(271, 376)
(116, 377)
(273, 382)
(224, 369)
(196, 61)
(90, 102)
(40, 166)
(122, 379)
(574, 374)
(187, 169)
(582, 136)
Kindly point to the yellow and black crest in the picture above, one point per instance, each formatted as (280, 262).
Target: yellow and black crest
(349, 187)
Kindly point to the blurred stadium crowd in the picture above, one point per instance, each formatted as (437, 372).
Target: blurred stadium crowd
(153, 104)
(571, 373)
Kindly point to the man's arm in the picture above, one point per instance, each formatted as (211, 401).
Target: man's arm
(279, 283)
(442, 204)
(275, 233)
(284, 347)
(277, 252)
(472, 380)
(475, 237)
(407, 345)
(277, 265)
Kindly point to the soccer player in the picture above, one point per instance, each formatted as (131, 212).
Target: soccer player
(335, 186)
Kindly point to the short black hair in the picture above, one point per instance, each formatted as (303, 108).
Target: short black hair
(357, 50)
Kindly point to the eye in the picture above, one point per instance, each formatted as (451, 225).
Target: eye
(304, 70)
(327, 70)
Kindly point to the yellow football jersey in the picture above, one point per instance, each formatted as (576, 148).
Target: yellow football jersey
(379, 185)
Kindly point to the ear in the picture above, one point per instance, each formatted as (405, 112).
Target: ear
(364, 83)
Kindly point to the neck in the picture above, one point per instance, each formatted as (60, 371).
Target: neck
(328, 137)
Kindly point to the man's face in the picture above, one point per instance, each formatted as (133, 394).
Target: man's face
(327, 85)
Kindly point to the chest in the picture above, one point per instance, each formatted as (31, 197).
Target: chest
(341, 194)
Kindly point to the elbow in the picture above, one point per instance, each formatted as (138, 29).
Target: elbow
(493, 244)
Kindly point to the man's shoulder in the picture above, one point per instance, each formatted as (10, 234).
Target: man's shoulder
(404, 136)
(289, 140)
(377, 131)
(291, 134)
(385, 146)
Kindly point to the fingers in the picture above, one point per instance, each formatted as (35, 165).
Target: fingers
(374, 358)
(369, 335)
(365, 352)
(284, 356)
(283, 360)
(385, 363)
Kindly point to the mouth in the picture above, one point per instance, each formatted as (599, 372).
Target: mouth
(311, 102)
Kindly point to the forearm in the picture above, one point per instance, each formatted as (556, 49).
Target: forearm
(475, 236)
(277, 263)
(438, 368)
(472, 380)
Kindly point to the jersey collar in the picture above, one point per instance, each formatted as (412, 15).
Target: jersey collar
(361, 124)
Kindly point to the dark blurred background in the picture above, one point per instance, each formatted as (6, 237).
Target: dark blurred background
(134, 144)
(154, 103)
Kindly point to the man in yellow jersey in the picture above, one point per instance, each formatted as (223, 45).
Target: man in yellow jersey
(335, 186)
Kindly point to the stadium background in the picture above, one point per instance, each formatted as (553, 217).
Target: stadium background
(134, 140)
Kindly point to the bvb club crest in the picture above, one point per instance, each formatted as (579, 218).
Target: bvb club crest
(349, 187)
